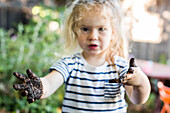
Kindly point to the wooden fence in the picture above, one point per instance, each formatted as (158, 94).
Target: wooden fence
(15, 11)
(148, 51)
(9, 17)
(160, 51)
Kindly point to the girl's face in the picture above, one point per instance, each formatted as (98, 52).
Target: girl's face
(94, 34)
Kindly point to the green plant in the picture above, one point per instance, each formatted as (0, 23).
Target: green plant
(31, 46)
(162, 59)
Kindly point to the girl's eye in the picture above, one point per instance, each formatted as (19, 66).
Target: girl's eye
(84, 29)
(101, 29)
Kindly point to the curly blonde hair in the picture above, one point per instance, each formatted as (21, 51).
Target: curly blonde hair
(79, 8)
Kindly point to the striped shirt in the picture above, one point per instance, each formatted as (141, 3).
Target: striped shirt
(87, 87)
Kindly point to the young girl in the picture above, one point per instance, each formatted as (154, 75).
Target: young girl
(91, 77)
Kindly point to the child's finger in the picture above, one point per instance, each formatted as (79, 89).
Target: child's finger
(124, 81)
(132, 64)
(30, 99)
(127, 78)
(20, 86)
(31, 75)
(20, 76)
(24, 93)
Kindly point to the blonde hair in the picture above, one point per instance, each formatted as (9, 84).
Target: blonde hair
(79, 8)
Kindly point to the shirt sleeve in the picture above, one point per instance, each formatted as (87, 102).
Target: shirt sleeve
(122, 65)
(62, 67)
(124, 69)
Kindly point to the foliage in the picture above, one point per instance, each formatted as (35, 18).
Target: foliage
(31, 46)
(162, 59)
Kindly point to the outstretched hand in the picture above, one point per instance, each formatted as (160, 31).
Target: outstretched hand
(31, 86)
(134, 75)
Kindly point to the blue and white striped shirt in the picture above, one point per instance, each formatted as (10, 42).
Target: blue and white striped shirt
(88, 88)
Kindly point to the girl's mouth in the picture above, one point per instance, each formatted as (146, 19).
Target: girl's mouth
(92, 46)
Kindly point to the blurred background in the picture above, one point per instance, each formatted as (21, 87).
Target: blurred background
(29, 38)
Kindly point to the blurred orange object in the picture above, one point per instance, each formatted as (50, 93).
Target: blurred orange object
(164, 92)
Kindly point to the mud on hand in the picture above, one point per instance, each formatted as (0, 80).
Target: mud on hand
(132, 64)
(31, 86)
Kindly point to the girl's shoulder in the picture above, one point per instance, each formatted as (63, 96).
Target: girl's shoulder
(120, 60)
(72, 56)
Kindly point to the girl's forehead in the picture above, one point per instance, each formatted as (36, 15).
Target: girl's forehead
(83, 11)
(94, 10)
(93, 14)
(94, 20)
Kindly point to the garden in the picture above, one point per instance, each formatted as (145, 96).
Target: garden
(35, 46)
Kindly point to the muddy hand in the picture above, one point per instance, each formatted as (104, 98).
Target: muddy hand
(134, 76)
(116, 80)
(130, 71)
(31, 86)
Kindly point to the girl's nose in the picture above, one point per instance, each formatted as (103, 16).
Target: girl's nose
(93, 35)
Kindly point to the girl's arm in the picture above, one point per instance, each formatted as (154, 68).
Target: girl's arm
(137, 87)
(51, 83)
